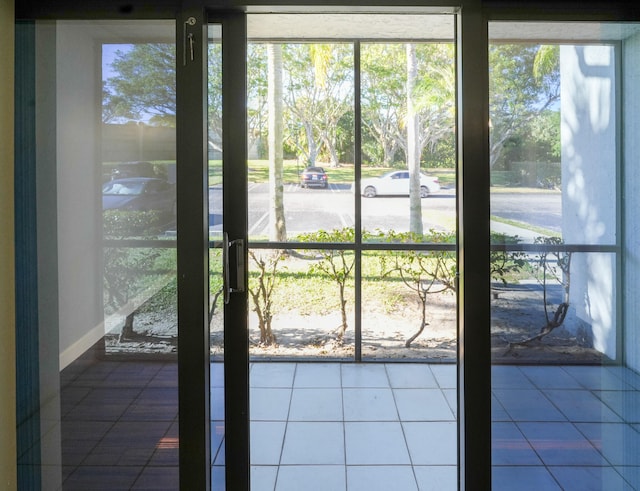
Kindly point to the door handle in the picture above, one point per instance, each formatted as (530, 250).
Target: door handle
(227, 246)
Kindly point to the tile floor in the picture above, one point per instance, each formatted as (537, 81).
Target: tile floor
(334, 427)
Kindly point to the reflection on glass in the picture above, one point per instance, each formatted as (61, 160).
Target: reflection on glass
(139, 197)
(563, 376)
(106, 392)
(216, 254)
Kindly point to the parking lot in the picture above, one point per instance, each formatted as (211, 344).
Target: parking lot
(307, 210)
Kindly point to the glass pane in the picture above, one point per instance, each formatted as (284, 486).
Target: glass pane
(409, 305)
(324, 290)
(300, 124)
(301, 303)
(216, 255)
(106, 382)
(564, 372)
(408, 123)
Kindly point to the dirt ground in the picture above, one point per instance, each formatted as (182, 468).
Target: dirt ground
(517, 313)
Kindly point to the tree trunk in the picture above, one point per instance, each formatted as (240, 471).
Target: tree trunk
(277, 228)
(312, 145)
(413, 144)
(343, 313)
(423, 324)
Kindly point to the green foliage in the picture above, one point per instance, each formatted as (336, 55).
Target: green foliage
(337, 264)
(145, 83)
(424, 272)
(127, 270)
(261, 288)
(524, 84)
(505, 264)
(121, 224)
(384, 103)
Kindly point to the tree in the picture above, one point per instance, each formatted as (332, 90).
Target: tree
(257, 91)
(524, 82)
(316, 98)
(413, 143)
(383, 93)
(384, 99)
(145, 84)
(261, 291)
(423, 272)
(552, 264)
(278, 229)
(337, 264)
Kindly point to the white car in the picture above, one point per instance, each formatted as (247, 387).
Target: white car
(397, 183)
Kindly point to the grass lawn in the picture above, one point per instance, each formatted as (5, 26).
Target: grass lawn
(259, 172)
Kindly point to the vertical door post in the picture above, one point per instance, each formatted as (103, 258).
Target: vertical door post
(193, 250)
(474, 309)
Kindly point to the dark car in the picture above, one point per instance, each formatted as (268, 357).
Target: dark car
(140, 194)
(134, 169)
(314, 176)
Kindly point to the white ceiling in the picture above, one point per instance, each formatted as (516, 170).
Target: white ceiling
(350, 26)
(420, 26)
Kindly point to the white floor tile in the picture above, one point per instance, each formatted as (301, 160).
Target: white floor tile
(437, 477)
(272, 375)
(318, 375)
(452, 399)
(509, 377)
(596, 377)
(446, 375)
(313, 444)
(589, 478)
(381, 478)
(333, 427)
(364, 375)
(217, 436)
(375, 443)
(412, 375)
(319, 404)
(432, 443)
(263, 477)
(550, 377)
(561, 444)
(217, 375)
(311, 478)
(510, 447)
(269, 404)
(422, 405)
(510, 478)
(266, 442)
(369, 405)
(217, 403)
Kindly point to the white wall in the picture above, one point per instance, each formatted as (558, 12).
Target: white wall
(78, 96)
(589, 162)
(7, 269)
(631, 159)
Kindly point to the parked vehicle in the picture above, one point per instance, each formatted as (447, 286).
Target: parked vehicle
(314, 176)
(140, 194)
(397, 183)
(125, 170)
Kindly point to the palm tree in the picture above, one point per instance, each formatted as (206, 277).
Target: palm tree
(278, 228)
(413, 144)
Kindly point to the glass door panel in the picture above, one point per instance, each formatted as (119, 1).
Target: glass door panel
(564, 371)
(102, 405)
(327, 113)
(217, 253)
